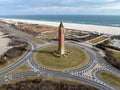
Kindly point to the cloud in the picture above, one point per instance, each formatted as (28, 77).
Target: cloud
(99, 0)
(59, 6)
(113, 6)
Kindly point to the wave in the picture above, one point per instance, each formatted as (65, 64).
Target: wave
(116, 25)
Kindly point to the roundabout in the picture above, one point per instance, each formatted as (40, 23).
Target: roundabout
(83, 63)
(76, 58)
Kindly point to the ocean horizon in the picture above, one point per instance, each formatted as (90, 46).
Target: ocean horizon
(103, 20)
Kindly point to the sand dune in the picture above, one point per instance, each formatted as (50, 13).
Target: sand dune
(3, 44)
(84, 27)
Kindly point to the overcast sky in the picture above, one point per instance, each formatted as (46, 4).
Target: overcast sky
(47, 7)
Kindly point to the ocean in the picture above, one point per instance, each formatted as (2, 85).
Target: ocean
(103, 20)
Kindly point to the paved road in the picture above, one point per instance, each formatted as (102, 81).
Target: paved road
(76, 74)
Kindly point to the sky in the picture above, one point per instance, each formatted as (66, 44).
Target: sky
(59, 7)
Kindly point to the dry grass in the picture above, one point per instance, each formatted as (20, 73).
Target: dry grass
(22, 68)
(28, 37)
(116, 55)
(54, 79)
(48, 37)
(13, 60)
(98, 39)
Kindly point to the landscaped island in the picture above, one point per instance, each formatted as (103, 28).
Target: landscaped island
(110, 78)
(76, 58)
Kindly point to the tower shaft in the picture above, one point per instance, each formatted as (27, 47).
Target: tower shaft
(61, 39)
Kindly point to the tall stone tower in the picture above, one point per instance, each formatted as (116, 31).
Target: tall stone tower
(61, 39)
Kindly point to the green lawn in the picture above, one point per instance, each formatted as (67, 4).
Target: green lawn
(76, 58)
(116, 55)
(98, 39)
(110, 78)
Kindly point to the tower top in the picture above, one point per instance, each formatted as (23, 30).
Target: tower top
(61, 24)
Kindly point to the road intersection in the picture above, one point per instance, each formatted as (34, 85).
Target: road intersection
(87, 74)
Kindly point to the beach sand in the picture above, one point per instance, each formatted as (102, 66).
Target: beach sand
(82, 27)
(3, 44)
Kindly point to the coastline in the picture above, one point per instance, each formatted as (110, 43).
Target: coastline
(74, 26)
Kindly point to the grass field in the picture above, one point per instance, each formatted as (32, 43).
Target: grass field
(110, 78)
(98, 39)
(48, 37)
(45, 57)
(116, 55)
(22, 68)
